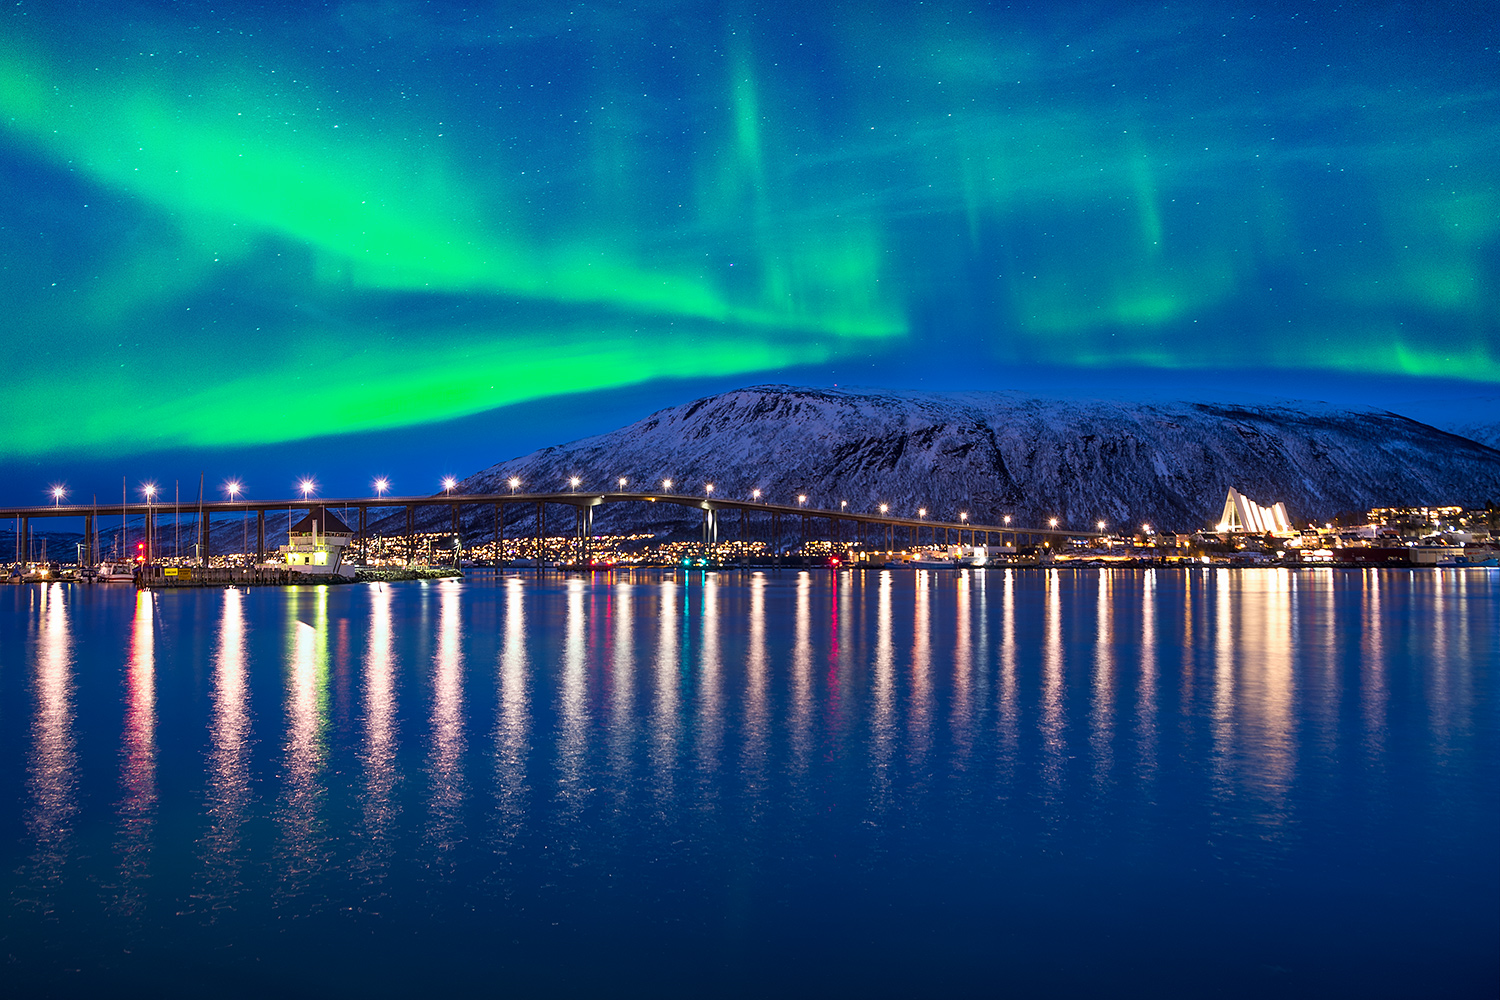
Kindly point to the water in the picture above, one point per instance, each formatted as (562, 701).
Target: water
(1202, 782)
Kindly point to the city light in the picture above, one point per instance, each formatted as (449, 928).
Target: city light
(666, 484)
(801, 499)
(963, 515)
(1146, 528)
(884, 507)
(623, 481)
(1052, 521)
(1007, 518)
(381, 485)
(233, 487)
(921, 511)
(515, 483)
(843, 504)
(708, 487)
(448, 483)
(573, 482)
(58, 492)
(1101, 527)
(149, 489)
(755, 494)
(307, 486)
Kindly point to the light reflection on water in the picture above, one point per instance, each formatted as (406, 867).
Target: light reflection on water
(714, 733)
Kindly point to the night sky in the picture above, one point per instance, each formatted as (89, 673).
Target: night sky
(270, 242)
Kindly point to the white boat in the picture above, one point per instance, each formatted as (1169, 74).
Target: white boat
(114, 573)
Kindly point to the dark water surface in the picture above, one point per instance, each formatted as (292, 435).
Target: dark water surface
(1206, 782)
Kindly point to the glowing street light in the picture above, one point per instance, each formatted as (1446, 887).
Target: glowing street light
(149, 489)
(801, 499)
(666, 485)
(307, 486)
(755, 494)
(1101, 527)
(963, 515)
(623, 481)
(58, 492)
(884, 507)
(843, 504)
(1052, 521)
(448, 483)
(573, 482)
(381, 485)
(921, 512)
(1007, 518)
(515, 483)
(234, 487)
(708, 487)
(1146, 528)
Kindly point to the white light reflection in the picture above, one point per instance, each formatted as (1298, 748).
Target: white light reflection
(51, 770)
(573, 713)
(621, 728)
(802, 674)
(756, 729)
(229, 757)
(962, 716)
(513, 724)
(710, 695)
(1054, 752)
(664, 720)
(1372, 662)
(883, 722)
(1102, 723)
(1222, 716)
(1145, 705)
(379, 758)
(138, 767)
(919, 721)
(305, 755)
(1009, 729)
(445, 755)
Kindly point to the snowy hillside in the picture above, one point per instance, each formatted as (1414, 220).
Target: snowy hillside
(996, 453)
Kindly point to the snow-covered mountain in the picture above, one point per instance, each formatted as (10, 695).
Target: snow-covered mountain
(997, 453)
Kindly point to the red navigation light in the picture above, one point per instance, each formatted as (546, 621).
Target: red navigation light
(833, 560)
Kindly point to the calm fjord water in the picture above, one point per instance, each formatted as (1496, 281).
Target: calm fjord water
(1199, 781)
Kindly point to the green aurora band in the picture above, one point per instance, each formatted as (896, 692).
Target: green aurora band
(221, 226)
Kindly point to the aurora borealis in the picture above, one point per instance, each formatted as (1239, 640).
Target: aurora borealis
(254, 224)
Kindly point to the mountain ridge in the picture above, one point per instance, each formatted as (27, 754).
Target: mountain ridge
(1011, 452)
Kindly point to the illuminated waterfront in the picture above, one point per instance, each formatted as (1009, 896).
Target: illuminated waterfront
(886, 783)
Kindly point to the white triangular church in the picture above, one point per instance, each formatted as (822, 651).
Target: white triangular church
(1243, 514)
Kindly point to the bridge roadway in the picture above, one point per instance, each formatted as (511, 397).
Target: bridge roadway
(583, 502)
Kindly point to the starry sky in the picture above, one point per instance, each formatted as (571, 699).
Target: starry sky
(257, 235)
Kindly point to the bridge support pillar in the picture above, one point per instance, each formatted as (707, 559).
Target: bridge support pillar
(411, 535)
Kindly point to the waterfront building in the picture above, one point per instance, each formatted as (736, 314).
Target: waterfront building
(1243, 514)
(315, 545)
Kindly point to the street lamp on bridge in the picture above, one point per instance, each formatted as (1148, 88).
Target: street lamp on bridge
(666, 485)
(58, 492)
(755, 494)
(963, 515)
(1052, 521)
(884, 507)
(573, 483)
(708, 488)
(515, 483)
(448, 483)
(381, 485)
(307, 486)
(623, 481)
(801, 499)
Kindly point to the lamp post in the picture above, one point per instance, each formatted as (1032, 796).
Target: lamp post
(755, 494)
(515, 484)
(58, 492)
(623, 483)
(801, 499)
(448, 483)
(233, 487)
(1052, 521)
(666, 485)
(708, 488)
(573, 483)
(307, 485)
(150, 490)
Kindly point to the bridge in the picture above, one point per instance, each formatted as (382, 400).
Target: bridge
(884, 526)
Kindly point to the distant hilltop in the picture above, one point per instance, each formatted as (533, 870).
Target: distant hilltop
(1034, 458)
